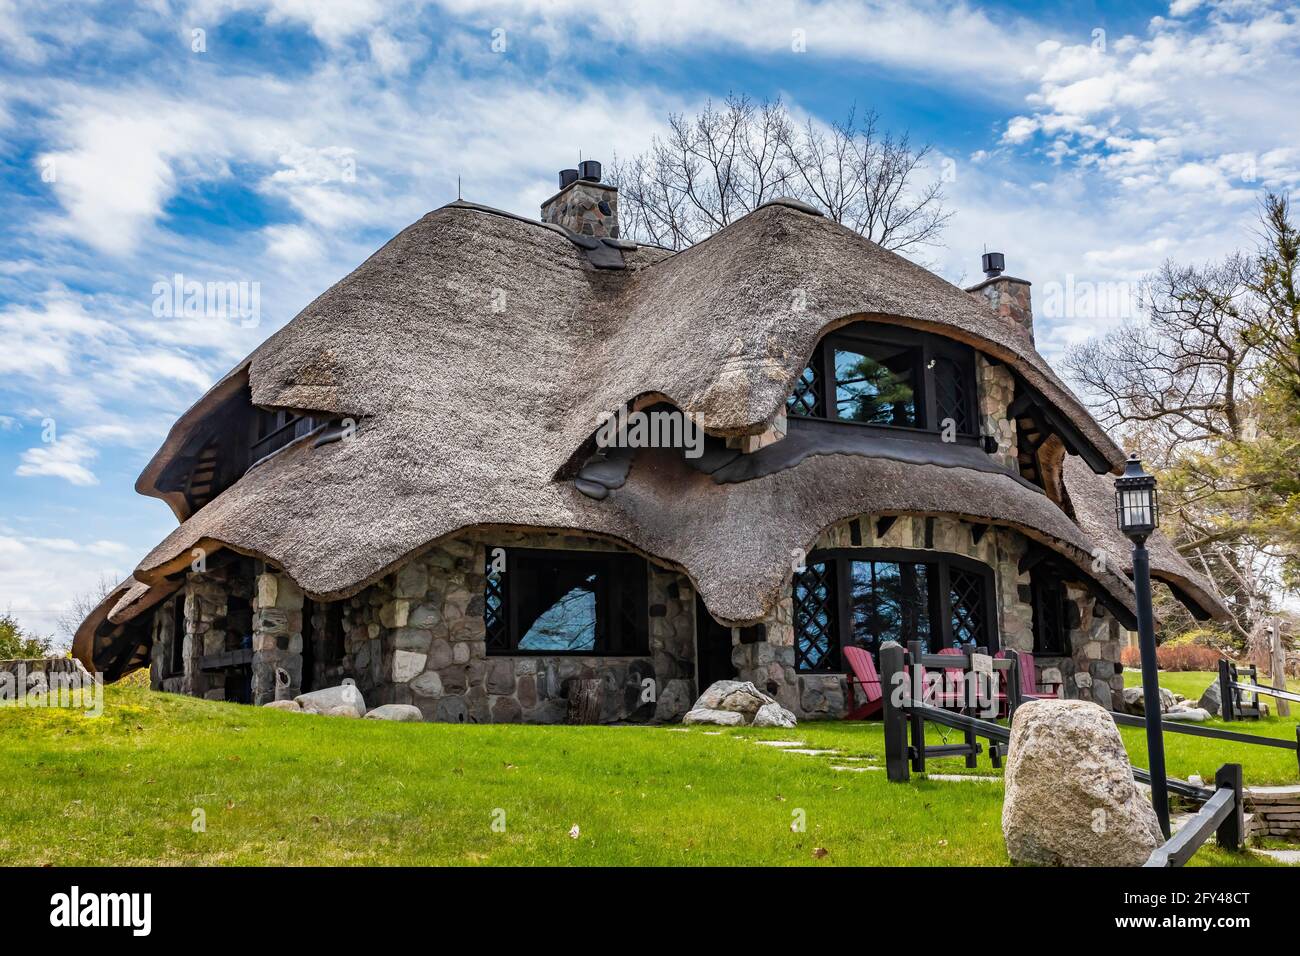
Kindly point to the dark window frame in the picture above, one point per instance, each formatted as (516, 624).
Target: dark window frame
(940, 565)
(1051, 621)
(927, 348)
(622, 612)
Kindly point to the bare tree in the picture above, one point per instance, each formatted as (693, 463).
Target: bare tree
(1184, 386)
(82, 604)
(715, 167)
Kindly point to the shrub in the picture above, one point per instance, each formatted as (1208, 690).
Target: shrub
(1176, 657)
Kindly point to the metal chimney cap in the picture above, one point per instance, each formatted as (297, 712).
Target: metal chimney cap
(568, 177)
(994, 264)
(589, 171)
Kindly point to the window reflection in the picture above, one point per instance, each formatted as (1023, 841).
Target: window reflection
(876, 388)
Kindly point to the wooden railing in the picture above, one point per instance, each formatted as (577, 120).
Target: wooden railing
(1215, 733)
(1223, 816)
(290, 431)
(1233, 704)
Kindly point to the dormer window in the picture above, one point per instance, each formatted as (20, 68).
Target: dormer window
(889, 377)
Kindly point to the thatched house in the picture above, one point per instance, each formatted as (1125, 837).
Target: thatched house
(405, 485)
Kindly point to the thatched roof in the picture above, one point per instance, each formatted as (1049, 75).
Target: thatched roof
(477, 350)
(1092, 498)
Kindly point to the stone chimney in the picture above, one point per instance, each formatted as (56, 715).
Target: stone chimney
(584, 204)
(1007, 297)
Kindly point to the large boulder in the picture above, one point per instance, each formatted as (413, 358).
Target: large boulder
(1211, 702)
(1135, 701)
(1070, 795)
(329, 699)
(292, 706)
(737, 695)
(742, 699)
(408, 713)
(709, 715)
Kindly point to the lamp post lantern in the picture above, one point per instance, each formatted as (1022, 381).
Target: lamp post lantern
(1137, 512)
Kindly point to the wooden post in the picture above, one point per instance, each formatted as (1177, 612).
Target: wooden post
(1226, 691)
(586, 701)
(916, 678)
(1231, 834)
(893, 688)
(970, 690)
(1277, 667)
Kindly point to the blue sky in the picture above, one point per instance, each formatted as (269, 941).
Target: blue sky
(276, 143)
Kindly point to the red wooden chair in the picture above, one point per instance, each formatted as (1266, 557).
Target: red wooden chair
(952, 693)
(1029, 682)
(866, 679)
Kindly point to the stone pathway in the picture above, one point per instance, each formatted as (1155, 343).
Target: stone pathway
(1289, 857)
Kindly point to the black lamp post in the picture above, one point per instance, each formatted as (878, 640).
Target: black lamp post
(1137, 513)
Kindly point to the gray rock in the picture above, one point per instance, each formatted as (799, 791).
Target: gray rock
(1135, 701)
(674, 700)
(343, 710)
(721, 718)
(1070, 795)
(428, 684)
(290, 705)
(399, 712)
(324, 700)
(1193, 715)
(774, 715)
(1210, 701)
(740, 697)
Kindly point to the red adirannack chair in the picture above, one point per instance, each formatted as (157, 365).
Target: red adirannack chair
(866, 679)
(1029, 682)
(952, 694)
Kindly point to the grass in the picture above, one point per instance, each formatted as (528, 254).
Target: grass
(1186, 755)
(279, 789)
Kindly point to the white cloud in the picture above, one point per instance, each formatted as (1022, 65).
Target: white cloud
(41, 577)
(65, 458)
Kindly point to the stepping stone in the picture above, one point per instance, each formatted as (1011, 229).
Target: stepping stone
(779, 743)
(1289, 857)
(809, 752)
(961, 778)
(854, 769)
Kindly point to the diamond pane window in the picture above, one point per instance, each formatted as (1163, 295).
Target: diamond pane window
(952, 397)
(816, 643)
(806, 399)
(968, 617)
(494, 608)
(866, 597)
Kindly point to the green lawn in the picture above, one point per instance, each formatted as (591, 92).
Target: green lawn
(1186, 755)
(281, 788)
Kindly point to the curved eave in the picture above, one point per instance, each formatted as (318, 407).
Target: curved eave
(335, 530)
(147, 483)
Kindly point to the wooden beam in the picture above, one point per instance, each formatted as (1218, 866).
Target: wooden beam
(977, 532)
(884, 524)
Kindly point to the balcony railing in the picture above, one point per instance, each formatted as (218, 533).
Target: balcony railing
(290, 431)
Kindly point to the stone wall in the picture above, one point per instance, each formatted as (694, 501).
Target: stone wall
(417, 637)
(997, 390)
(277, 635)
